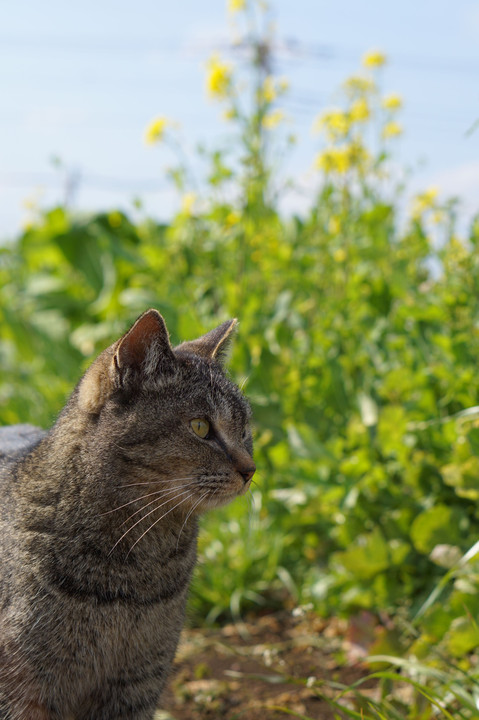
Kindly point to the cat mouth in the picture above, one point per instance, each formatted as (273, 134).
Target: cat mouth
(224, 495)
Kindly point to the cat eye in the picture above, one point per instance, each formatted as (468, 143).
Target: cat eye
(200, 427)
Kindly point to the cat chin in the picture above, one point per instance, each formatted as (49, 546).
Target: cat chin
(220, 500)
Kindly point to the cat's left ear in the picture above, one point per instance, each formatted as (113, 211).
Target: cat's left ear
(214, 344)
(145, 347)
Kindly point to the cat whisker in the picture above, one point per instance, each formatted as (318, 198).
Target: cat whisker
(252, 513)
(214, 492)
(171, 499)
(143, 497)
(158, 520)
(153, 482)
(165, 494)
(188, 516)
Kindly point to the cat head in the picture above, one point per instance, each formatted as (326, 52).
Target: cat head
(170, 414)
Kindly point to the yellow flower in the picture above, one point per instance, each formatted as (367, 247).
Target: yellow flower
(188, 202)
(333, 160)
(229, 114)
(335, 123)
(359, 111)
(425, 201)
(272, 119)
(391, 129)
(30, 203)
(342, 159)
(438, 216)
(374, 59)
(232, 218)
(358, 155)
(358, 85)
(155, 132)
(392, 102)
(269, 89)
(334, 225)
(218, 80)
(235, 6)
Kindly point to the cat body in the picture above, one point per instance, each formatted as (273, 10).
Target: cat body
(98, 526)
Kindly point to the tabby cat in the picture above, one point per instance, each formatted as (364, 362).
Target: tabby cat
(98, 525)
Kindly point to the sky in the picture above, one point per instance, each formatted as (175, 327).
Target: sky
(79, 82)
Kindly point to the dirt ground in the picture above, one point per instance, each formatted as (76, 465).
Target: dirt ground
(261, 669)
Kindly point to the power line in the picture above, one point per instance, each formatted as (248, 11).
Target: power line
(293, 49)
(93, 43)
(100, 182)
(284, 48)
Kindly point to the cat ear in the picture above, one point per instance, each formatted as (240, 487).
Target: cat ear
(145, 346)
(214, 344)
(140, 352)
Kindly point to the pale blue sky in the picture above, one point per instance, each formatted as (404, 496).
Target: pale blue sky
(82, 80)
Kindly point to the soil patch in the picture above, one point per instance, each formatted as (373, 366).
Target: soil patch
(249, 671)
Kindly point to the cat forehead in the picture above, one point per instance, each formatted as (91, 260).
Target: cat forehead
(202, 384)
(229, 405)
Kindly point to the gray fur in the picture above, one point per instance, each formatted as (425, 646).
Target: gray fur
(98, 526)
(16, 439)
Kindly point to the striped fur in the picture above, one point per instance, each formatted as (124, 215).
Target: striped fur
(98, 526)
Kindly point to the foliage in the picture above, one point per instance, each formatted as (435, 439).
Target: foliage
(358, 348)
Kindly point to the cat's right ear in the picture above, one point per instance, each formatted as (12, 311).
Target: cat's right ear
(214, 344)
(142, 352)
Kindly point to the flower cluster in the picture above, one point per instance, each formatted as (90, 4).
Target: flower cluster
(392, 102)
(342, 159)
(272, 119)
(272, 89)
(374, 59)
(235, 6)
(219, 78)
(391, 129)
(424, 202)
(343, 128)
(155, 131)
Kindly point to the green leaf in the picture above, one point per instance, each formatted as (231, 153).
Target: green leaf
(473, 437)
(463, 637)
(367, 557)
(438, 525)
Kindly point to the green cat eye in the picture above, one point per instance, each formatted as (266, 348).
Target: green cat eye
(200, 426)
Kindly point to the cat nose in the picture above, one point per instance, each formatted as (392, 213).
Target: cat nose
(247, 473)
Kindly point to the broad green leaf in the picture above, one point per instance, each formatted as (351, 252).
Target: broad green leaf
(438, 525)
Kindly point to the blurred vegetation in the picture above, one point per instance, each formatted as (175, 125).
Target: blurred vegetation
(358, 347)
